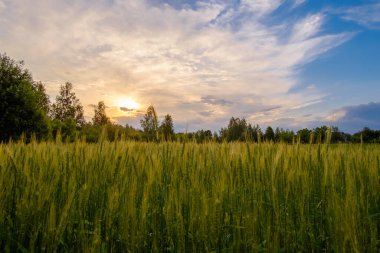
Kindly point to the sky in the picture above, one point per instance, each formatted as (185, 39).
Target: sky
(284, 63)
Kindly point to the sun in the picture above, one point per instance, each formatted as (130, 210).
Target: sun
(127, 103)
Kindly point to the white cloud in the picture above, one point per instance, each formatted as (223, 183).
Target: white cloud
(307, 28)
(168, 57)
(297, 3)
(366, 15)
(262, 7)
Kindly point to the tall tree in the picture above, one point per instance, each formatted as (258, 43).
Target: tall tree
(320, 134)
(166, 128)
(43, 98)
(202, 136)
(277, 134)
(367, 135)
(20, 102)
(304, 135)
(284, 135)
(100, 117)
(253, 133)
(149, 123)
(236, 130)
(67, 105)
(269, 134)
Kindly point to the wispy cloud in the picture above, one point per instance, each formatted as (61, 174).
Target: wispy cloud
(366, 15)
(297, 3)
(307, 28)
(261, 7)
(211, 100)
(169, 56)
(206, 113)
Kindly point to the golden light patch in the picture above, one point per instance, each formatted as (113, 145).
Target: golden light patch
(127, 103)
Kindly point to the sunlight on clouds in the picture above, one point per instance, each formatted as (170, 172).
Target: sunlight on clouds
(169, 57)
(127, 103)
(336, 116)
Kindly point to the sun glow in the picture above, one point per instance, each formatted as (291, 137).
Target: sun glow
(127, 103)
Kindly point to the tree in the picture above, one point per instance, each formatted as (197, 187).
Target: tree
(338, 136)
(320, 134)
(166, 128)
(150, 124)
(269, 134)
(20, 102)
(253, 133)
(277, 135)
(236, 130)
(67, 129)
(67, 105)
(284, 135)
(43, 98)
(202, 136)
(304, 135)
(367, 136)
(100, 117)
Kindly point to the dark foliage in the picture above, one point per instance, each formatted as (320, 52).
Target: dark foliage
(23, 103)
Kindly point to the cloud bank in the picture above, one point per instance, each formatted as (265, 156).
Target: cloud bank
(354, 118)
(202, 62)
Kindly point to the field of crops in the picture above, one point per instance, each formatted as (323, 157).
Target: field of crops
(185, 197)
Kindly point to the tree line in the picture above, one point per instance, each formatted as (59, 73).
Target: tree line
(27, 112)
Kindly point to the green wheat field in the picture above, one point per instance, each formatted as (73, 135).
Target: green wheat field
(128, 196)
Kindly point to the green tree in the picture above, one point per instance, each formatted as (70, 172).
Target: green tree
(66, 128)
(304, 135)
(269, 134)
(337, 136)
(149, 124)
(320, 134)
(20, 102)
(284, 135)
(236, 130)
(253, 133)
(43, 98)
(132, 133)
(202, 136)
(67, 105)
(100, 118)
(166, 128)
(367, 135)
(277, 135)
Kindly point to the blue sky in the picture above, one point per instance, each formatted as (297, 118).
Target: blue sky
(286, 63)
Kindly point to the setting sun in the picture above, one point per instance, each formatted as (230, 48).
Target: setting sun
(127, 103)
